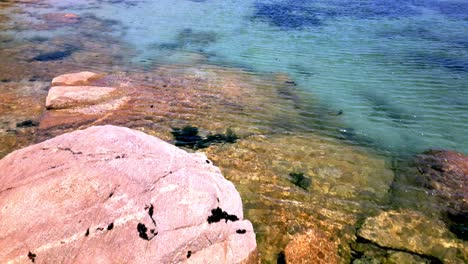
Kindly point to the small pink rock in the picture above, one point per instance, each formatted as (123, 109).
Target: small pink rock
(79, 78)
(70, 96)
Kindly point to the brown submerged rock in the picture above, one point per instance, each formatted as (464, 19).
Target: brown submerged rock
(412, 231)
(345, 182)
(446, 172)
(211, 98)
(311, 247)
(70, 96)
(108, 194)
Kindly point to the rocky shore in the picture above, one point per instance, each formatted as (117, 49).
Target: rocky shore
(311, 199)
(109, 194)
(87, 174)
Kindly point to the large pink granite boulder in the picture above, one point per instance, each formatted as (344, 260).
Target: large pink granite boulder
(110, 194)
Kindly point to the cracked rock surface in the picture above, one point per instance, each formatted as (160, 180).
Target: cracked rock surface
(110, 194)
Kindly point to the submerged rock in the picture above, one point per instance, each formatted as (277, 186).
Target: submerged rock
(72, 79)
(312, 247)
(61, 18)
(411, 231)
(339, 183)
(446, 172)
(435, 182)
(70, 96)
(110, 194)
(211, 98)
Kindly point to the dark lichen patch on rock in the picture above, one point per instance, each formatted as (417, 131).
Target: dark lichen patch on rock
(32, 256)
(300, 180)
(218, 214)
(241, 231)
(142, 231)
(188, 137)
(150, 209)
(121, 156)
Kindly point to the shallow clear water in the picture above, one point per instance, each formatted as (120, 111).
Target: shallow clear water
(396, 70)
(365, 80)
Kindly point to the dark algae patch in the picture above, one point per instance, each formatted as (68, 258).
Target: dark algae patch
(142, 231)
(286, 15)
(300, 180)
(55, 55)
(300, 14)
(241, 231)
(32, 256)
(218, 214)
(188, 137)
(27, 123)
(281, 258)
(150, 209)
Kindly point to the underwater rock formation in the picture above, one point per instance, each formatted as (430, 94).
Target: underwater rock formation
(107, 194)
(446, 172)
(78, 78)
(69, 96)
(411, 231)
(292, 183)
(312, 247)
(212, 99)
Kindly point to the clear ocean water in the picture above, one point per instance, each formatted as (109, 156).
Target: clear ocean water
(396, 70)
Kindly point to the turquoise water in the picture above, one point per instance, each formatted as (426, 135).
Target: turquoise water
(394, 73)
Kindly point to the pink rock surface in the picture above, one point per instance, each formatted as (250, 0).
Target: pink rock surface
(69, 96)
(78, 78)
(110, 194)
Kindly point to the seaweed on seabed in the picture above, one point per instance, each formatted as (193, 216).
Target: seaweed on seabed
(300, 180)
(188, 137)
(228, 137)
